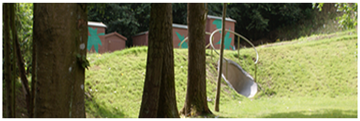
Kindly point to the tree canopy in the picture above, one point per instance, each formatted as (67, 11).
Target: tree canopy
(253, 20)
(127, 19)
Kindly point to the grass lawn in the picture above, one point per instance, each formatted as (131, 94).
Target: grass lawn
(296, 107)
(311, 77)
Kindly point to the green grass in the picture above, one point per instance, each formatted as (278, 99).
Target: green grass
(297, 107)
(311, 77)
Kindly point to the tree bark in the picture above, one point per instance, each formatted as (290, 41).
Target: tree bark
(78, 108)
(218, 86)
(13, 61)
(158, 98)
(7, 64)
(33, 79)
(196, 99)
(167, 102)
(60, 31)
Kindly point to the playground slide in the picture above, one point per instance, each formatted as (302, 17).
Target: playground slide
(237, 78)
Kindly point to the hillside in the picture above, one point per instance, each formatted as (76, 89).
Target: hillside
(313, 76)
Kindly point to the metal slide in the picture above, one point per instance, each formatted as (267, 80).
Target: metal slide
(236, 77)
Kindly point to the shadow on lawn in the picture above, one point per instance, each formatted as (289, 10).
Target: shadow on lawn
(323, 113)
(95, 109)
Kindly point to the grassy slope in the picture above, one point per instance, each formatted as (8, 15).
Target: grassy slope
(313, 76)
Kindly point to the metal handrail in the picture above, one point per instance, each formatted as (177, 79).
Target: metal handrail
(211, 43)
(208, 33)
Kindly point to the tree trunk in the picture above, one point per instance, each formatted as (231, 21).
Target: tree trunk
(20, 61)
(13, 61)
(78, 108)
(196, 100)
(167, 102)
(158, 98)
(33, 79)
(60, 31)
(218, 86)
(7, 64)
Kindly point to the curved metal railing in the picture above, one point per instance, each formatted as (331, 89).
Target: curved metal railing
(211, 42)
(213, 48)
(208, 33)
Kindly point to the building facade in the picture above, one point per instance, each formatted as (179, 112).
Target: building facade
(100, 43)
(180, 32)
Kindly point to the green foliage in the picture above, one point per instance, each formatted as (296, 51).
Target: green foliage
(255, 20)
(126, 19)
(83, 61)
(179, 11)
(348, 20)
(320, 22)
(24, 24)
(318, 6)
(304, 78)
(129, 19)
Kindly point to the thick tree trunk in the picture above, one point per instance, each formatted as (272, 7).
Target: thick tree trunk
(60, 31)
(158, 98)
(13, 61)
(151, 92)
(78, 106)
(167, 101)
(196, 102)
(33, 79)
(7, 64)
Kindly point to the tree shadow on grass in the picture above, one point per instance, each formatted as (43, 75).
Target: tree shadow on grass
(100, 110)
(323, 113)
(207, 116)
